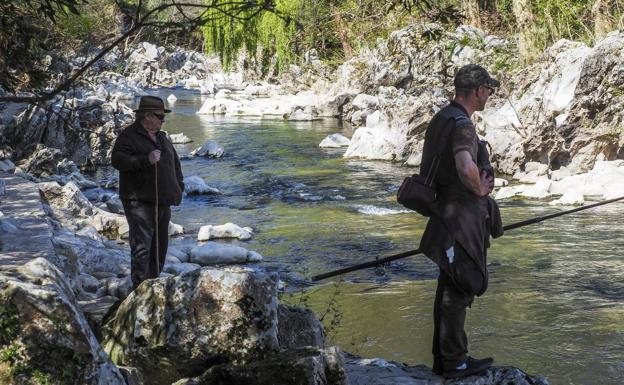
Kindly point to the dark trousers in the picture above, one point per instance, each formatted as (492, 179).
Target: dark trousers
(144, 262)
(450, 344)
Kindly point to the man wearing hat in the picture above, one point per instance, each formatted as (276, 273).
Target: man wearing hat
(457, 236)
(150, 181)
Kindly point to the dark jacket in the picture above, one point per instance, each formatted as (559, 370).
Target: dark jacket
(463, 218)
(137, 177)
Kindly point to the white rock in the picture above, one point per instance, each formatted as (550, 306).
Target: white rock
(559, 174)
(206, 87)
(172, 98)
(613, 191)
(508, 192)
(500, 182)
(536, 166)
(539, 191)
(221, 94)
(210, 149)
(212, 253)
(570, 198)
(196, 185)
(365, 102)
(335, 141)
(254, 256)
(175, 229)
(228, 230)
(179, 138)
(300, 115)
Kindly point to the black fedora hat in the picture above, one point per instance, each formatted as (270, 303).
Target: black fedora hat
(151, 103)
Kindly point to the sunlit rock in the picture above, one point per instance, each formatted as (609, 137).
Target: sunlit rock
(539, 190)
(228, 230)
(210, 149)
(175, 229)
(194, 185)
(570, 198)
(179, 138)
(335, 141)
(69, 205)
(204, 317)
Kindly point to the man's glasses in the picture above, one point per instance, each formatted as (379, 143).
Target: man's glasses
(492, 90)
(161, 117)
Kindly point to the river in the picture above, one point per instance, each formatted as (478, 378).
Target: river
(555, 305)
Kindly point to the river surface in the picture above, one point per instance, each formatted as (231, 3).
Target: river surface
(555, 304)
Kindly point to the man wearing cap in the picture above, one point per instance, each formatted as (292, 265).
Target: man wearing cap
(150, 181)
(457, 237)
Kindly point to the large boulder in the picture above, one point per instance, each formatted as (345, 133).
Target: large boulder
(45, 337)
(176, 327)
(304, 366)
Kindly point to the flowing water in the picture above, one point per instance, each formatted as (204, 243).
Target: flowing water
(555, 305)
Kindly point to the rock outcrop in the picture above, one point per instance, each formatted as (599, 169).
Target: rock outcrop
(45, 337)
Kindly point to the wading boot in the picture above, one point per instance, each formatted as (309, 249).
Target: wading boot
(469, 367)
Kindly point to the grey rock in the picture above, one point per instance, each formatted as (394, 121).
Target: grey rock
(48, 331)
(203, 317)
(304, 366)
(298, 327)
(7, 166)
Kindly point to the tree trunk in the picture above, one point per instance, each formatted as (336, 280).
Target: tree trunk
(603, 19)
(526, 28)
(471, 10)
(343, 33)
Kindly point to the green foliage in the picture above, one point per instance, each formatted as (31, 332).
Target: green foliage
(41, 378)
(9, 323)
(96, 21)
(227, 35)
(336, 29)
(51, 9)
(552, 19)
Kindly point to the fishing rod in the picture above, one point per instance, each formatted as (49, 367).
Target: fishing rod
(409, 253)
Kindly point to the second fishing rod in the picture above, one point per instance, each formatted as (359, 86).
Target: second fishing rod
(409, 253)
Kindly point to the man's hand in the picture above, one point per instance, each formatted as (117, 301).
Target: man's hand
(154, 156)
(487, 183)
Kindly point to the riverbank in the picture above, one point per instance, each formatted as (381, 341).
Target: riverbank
(59, 271)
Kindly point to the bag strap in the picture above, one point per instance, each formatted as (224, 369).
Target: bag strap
(433, 170)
